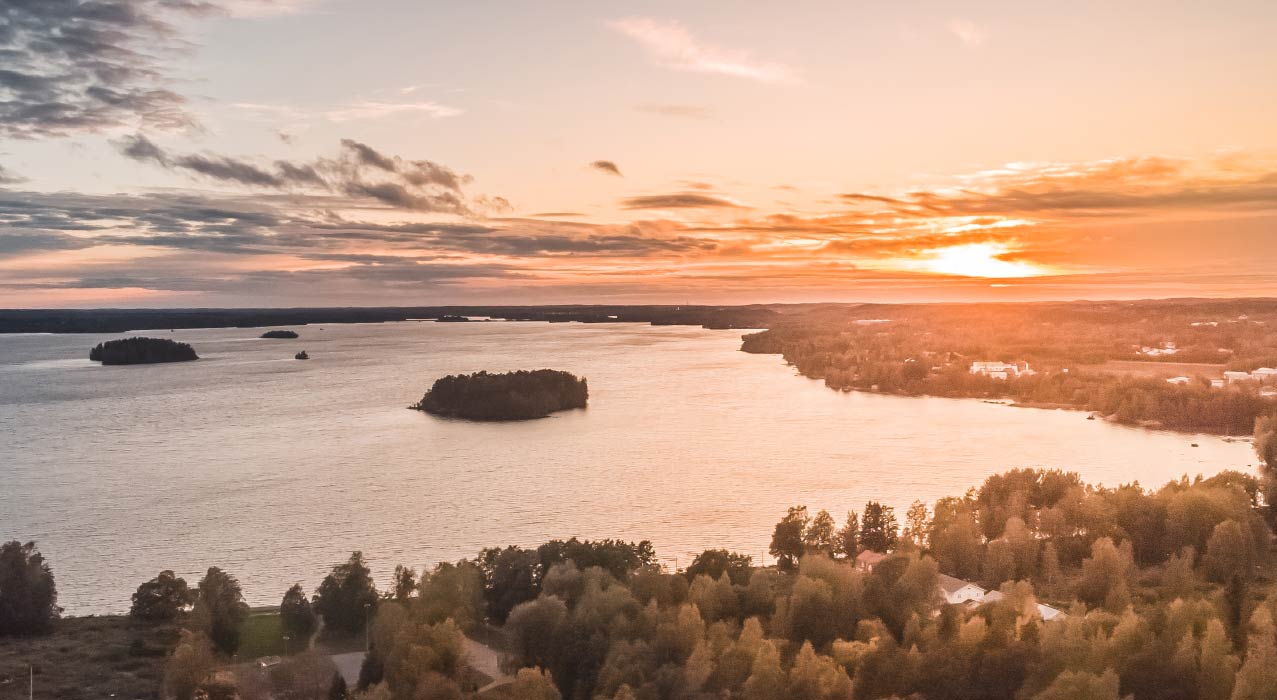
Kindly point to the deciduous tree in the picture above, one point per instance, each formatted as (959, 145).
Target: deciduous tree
(28, 596)
(220, 609)
(297, 617)
(787, 538)
(346, 596)
(162, 598)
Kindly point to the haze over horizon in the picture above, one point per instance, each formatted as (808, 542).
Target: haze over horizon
(165, 153)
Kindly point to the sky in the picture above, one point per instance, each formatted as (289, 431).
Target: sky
(195, 153)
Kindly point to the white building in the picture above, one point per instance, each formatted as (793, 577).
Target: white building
(1178, 380)
(1167, 348)
(1234, 377)
(1047, 612)
(956, 591)
(1265, 374)
(1001, 370)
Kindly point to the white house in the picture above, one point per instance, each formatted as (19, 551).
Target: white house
(1178, 380)
(956, 591)
(1000, 370)
(1047, 612)
(1218, 383)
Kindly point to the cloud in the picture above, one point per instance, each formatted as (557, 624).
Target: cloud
(72, 66)
(265, 8)
(678, 200)
(8, 177)
(674, 47)
(1107, 188)
(359, 110)
(606, 166)
(379, 110)
(359, 171)
(1110, 223)
(968, 32)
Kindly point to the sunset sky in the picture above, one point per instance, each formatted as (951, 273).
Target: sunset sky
(387, 152)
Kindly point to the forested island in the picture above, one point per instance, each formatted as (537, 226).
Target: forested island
(519, 395)
(1034, 586)
(140, 351)
(280, 334)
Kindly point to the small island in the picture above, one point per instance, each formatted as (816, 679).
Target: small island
(280, 334)
(301, 356)
(141, 351)
(520, 395)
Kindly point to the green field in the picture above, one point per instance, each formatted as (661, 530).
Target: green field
(262, 634)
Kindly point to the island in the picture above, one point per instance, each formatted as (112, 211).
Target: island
(279, 334)
(301, 356)
(519, 395)
(141, 351)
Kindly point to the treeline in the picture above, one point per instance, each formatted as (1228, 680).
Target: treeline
(121, 320)
(139, 350)
(516, 395)
(921, 350)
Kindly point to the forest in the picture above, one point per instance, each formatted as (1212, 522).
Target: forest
(1153, 593)
(519, 395)
(139, 351)
(928, 350)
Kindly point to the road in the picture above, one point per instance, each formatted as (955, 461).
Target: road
(481, 657)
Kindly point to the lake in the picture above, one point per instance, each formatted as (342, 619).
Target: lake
(275, 469)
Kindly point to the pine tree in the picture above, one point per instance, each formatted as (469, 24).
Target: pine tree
(878, 529)
(847, 542)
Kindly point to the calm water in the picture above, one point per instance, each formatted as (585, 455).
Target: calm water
(275, 469)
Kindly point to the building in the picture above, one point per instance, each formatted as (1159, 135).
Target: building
(867, 560)
(1047, 612)
(1235, 377)
(1167, 348)
(956, 591)
(1001, 370)
(1178, 380)
(1218, 383)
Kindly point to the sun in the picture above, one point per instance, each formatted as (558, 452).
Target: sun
(978, 260)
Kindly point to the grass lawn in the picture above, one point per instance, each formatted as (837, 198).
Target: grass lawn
(1138, 368)
(89, 657)
(262, 634)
